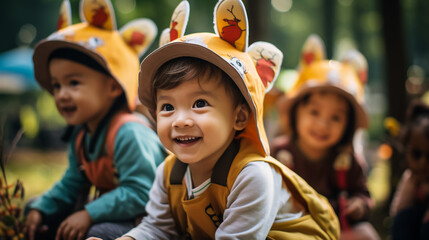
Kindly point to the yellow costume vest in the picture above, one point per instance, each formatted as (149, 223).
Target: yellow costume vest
(199, 218)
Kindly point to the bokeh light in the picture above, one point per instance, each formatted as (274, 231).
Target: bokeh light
(125, 6)
(384, 152)
(282, 5)
(26, 34)
(415, 79)
(345, 3)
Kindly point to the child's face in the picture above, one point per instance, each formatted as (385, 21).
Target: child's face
(197, 120)
(417, 153)
(321, 121)
(82, 95)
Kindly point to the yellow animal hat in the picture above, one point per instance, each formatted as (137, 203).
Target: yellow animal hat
(117, 51)
(253, 68)
(346, 77)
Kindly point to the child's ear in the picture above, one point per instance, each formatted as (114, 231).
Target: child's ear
(241, 117)
(115, 90)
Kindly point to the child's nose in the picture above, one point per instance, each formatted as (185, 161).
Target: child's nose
(183, 120)
(323, 122)
(62, 93)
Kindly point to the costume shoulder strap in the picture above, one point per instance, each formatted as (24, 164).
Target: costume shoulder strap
(78, 144)
(116, 123)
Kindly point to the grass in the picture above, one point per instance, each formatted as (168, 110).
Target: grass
(38, 170)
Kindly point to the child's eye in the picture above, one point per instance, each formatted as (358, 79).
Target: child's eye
(200, 103)
(314, 112)
(74, 83)
(416, 154)
(336, 118)
(167, 107)
(55, 86)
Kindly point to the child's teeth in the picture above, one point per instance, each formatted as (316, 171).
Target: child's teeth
(187, 138)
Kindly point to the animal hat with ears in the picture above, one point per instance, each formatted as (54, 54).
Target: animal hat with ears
(253, 68)
(96, 36)
(346, 77)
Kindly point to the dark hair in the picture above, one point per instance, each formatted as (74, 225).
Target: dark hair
(78, 57)
(349, 131)
(176, 71)
(417, 113)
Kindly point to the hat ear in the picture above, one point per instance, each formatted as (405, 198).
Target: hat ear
(231, 23)
(268, 60)
(139, 34)
(312, 51)
(179, 20)
(64, 20)
(359, 63)
(98, 13)
(164, 38)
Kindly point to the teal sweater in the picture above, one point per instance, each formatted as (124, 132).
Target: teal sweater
(137, 154)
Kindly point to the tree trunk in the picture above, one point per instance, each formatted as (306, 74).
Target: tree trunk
(395, 58)
(259, 19)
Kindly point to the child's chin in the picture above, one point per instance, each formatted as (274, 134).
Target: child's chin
(72, 122)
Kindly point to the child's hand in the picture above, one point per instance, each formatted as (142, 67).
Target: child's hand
(355, 209)
(74, 227)
(33, 222)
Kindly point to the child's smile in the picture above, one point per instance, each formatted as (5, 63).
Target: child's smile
(318, 135)
(187, 141)
(67, 111)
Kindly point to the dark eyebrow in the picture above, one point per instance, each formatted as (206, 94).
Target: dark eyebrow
(202, 92)
(162, 97)
(74, 74)
(70, 75)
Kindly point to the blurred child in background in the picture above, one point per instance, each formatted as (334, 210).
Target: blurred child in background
(321, 114)
(91, 70)
(410, 203)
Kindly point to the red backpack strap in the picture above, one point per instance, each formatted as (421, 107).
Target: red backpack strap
(78, 146)
(114, 126)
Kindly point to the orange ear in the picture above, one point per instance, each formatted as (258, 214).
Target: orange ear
(98, 13)
(64, 19)
(268, 60)
(313, 50)
(139, 34)
(359, 63)
(231, 23)
(179, 20)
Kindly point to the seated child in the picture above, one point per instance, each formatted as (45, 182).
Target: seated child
(91, 71)
(410, 203)
(322, 112)
(206, 92)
